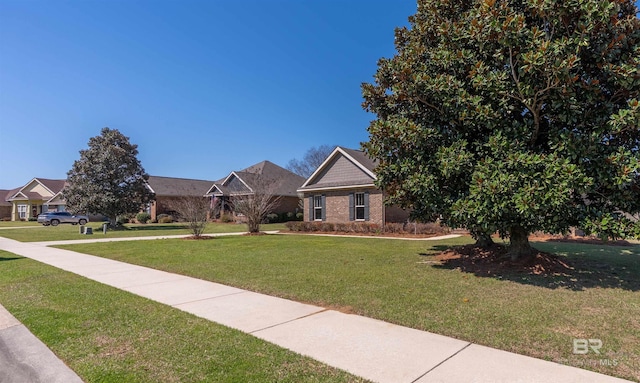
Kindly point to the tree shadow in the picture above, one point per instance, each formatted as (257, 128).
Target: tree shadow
(152, 227)
(571, 266)
(2, 259)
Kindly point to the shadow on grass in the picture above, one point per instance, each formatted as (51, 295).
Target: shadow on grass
(590, 266)
(2, 259)
(153, 227)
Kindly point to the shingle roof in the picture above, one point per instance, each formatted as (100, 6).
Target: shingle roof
(362, 158)
(285, 182)
(55, 186)
(5, 195)
(176, 187)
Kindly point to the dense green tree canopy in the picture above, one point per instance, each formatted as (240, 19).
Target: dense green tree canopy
(512, 116)
(108, 178)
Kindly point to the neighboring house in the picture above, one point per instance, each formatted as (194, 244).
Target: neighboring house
(5, 205)
(168, 189)
(342, 190)
(264, 175)
(37, 196)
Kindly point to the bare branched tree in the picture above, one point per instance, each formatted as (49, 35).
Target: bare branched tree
(312, 159)
(195, 211)
(256, 203)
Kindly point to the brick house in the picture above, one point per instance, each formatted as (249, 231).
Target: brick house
(5, 205)
(169, 189)
(282, 183)
(342, 190)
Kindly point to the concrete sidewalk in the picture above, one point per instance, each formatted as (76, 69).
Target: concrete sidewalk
(25, 359)
(376, 350)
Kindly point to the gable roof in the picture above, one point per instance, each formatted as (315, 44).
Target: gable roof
(55, 186)
(57, 199)
(178, 187)
(343, 168)
(285, 181)
(52, 186)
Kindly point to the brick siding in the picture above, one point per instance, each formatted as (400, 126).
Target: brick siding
(337, 207)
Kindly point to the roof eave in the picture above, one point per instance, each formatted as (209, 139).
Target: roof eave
(321, 188)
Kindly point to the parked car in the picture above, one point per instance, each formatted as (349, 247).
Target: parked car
(54, 218)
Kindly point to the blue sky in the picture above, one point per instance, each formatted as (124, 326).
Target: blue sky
(202, 87)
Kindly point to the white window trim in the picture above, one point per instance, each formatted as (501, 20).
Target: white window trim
(22, 211)
(317, 199)
(356, 206)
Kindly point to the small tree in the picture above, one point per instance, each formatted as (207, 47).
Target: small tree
(256, 203)
(312, 159)
(195, 211)
(108, 178)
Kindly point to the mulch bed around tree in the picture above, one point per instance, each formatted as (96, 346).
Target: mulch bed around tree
(494, 260)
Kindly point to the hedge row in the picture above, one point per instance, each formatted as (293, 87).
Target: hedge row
(368, 228)
(283, 217)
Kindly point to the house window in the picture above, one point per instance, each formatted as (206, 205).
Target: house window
(317, 208)
(359, 206)
(22, 211)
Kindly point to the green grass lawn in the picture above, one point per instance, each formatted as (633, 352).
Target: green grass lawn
(108, 335)
(18, 223)
(399, 282)
(38, 233)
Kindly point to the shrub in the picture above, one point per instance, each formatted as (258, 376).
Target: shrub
(226, 218)
(368, 228)
(360, 227)
(122, 220)
(374, 228)
(297, 226)
(33, 219)
(273, 218)
(164, 218)
(430, 228)
(299, 216)
(327, 226)
(394, 227)
(143, 217)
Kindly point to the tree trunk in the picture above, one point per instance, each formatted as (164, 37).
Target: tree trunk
(253, 226)
(482, 239)
(519, 246)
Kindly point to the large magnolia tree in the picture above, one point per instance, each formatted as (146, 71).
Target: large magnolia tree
(512, 116)
(108, 178)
